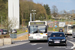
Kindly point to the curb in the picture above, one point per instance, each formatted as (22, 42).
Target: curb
(12, 45)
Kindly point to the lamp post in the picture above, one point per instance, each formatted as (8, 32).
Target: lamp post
(30, 16)
(69, 19)
(34, 14)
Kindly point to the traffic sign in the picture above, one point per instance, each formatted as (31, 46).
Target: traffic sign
(13, 35)
(61, 24)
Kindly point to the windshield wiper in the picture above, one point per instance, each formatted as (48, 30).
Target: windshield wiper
(40, 31)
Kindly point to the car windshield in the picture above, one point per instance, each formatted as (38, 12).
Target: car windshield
(57, 35)
(38, 29)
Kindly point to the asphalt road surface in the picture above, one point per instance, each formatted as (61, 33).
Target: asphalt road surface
(43, 45)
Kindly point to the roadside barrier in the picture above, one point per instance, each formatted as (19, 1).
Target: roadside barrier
(7, 41)
(1, 42)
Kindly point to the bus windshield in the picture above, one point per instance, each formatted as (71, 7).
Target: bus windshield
(38, 29)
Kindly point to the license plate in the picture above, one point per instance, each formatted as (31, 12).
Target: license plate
(57, 41)
(60, 30)
(37, 37)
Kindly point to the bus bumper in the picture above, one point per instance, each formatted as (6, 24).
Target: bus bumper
(32, 39)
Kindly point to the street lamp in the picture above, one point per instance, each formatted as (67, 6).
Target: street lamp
(69, 19)
(30, 16)
(33, 10)
(34, 14)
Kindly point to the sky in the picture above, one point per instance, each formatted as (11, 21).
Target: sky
(60, 4)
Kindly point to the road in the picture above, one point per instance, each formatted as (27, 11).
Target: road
(43, 45)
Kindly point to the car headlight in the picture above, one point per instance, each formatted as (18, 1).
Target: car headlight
(63, 39)
(50, 40)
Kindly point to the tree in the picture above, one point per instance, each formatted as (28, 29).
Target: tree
(54, 11)
(47, 8)
(5, 1)
(41, 12)
(25, 10)
(3, 9)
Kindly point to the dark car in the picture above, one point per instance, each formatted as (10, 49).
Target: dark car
(14, 31)
(60, 30)
(4, 31)
(57, 38)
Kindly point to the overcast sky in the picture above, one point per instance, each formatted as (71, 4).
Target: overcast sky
(61, 4)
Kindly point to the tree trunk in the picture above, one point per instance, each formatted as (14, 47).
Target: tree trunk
(22, 19)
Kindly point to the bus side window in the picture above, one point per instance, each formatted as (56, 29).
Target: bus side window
(46, 29)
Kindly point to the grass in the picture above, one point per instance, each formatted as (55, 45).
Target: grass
(5, 36)
(20, 31)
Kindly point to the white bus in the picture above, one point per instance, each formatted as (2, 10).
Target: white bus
(68, 29)
(37, 30)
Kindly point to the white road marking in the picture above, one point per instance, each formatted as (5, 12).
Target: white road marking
(34, 44)
(13, 45)
(67, 47)
(59, 47)
(70, 36)
(72, 43)
(39, 48)
(71, 39)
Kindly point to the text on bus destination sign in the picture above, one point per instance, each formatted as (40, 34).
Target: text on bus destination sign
(37, 23)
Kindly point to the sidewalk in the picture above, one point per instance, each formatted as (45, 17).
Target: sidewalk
(21, 39)
(16, 43)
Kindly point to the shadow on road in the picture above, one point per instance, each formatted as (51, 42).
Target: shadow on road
(44, 41)
(58, 45)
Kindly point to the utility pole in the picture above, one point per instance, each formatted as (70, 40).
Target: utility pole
(34, 16)
(30, 16)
